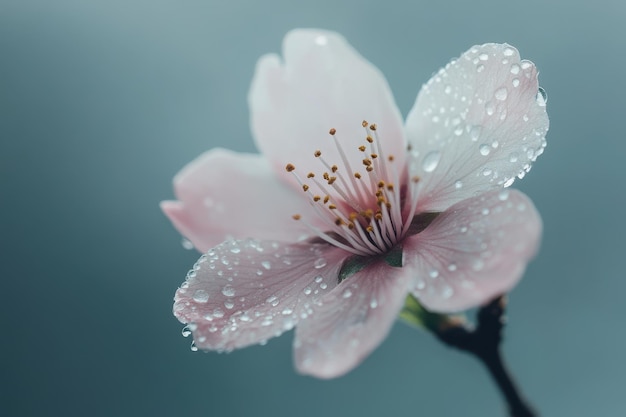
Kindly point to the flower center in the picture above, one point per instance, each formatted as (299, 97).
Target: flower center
(366, 212)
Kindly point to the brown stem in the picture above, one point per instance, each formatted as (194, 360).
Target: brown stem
(484, 343)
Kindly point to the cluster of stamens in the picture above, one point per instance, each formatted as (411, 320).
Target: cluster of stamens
(363, 212)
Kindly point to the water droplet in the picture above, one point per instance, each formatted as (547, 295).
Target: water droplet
(483, 57)
(458, 131)
(228, 291)
(458, 184)
(323, 285)
(235, 249)
(478, 265)
(452, 267)
(433, 273)
(347, 293)
(484, 150)
(508, 51)
(229, 304)
(526, 64)
(480, 68)
(485, 211)
(509, 182)
(447, 292)
(373, 303)
(501, 94)
(193, 347)
(515, 69)
(287, 311)
(319, 279)
(525, 117)
(487, 172)
(463, 229)
(218, 313)
(186, 332)
(542, 97)
(490, 108)
(266, 264)
(200, 296)
(186, 243)
(273, 300)
(431, 160)
(515, 82)
(447, 89)
(319, 263)
(307, 290)
(513, 157)
(475, 132)
(503, 195)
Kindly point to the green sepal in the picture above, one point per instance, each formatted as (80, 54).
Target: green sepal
(356, 263)
(414, 314)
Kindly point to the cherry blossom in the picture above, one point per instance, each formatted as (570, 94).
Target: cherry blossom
(347, 209)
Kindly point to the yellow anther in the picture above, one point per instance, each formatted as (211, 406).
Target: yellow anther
(364, 123)
(331, 180)
(390, 187)
(326, 198)
(362, 148)
(415, 179)
(334, 168)
(326, 176)
(390, 158)
(369, 139)
(353, 216)
(357, 175)
(305, 187)
(332, 131)
(290, 167)
(316, 198)
(381, 184)
(317, 153)
(369, 229)
(310, 175)
(332, 206)
(369, 169)
(338, 221)
(350, 225)
(378, 216)
(374, 156)
(367, 162)
(373, 126)
(296, 217)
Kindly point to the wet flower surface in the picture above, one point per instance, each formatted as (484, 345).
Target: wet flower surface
(348, 209)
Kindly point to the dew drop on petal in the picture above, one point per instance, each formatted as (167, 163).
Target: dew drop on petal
(323, 285)
(287, 311)
(513, 157)
(458, 184)
(319, 263)
(503, 195)
(319, 279)
(186, 332)
(515, 69)
(433, 273)
(501, 94)
(373, 303)
(307, 290)
(228, 291)
(266, 264)
(193, 347)
(475, 132)
(431, 160)
(508, 51)
(200, 296)
(542, 97)
(186, 244)
(478, 265)
(452, 267)
(218, 313)
(484, 149)
(229, 304)
(273, 300)
(515, 82)
(347, 293)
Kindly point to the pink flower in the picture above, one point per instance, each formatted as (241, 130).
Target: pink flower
(376, 221)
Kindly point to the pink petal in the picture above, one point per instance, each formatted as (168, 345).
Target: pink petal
(474, 251)
(477, 124)
(322, 83)
(351, 321)
(227, 195)
(244, 292)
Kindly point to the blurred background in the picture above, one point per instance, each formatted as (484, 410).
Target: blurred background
(102, 102)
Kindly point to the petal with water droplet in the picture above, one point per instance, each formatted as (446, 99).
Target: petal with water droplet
(231, 311)
(351, 321)
(486, 260)
(490, 109)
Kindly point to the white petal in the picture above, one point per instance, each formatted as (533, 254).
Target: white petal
(351, 321)
(245, 292)
(323, 83)
(474, 251)
(476, 125)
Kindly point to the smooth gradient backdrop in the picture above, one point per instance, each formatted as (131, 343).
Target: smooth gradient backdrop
(102, 102)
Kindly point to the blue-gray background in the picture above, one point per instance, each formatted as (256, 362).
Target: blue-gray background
(101, 103)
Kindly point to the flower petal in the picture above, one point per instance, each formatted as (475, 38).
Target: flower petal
(244, 292)
(474, 251)
(477, 124)
(227, 195)
(351, 321)
(323, 83)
